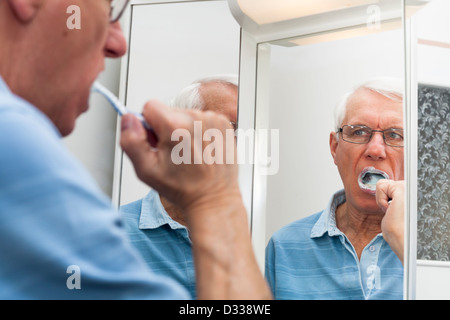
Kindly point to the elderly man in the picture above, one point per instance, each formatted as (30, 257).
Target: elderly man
(59, 236)
(156, 227)
(344, 252)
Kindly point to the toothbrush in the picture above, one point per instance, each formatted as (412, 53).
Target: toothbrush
(122, 110)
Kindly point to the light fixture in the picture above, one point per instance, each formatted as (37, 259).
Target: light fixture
(310, 21)
(343, 34)
(272, 11)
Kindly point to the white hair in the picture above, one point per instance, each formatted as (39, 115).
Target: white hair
(190, 97)
(391, 88)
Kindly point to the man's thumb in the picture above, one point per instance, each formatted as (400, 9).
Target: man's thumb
(133, 139)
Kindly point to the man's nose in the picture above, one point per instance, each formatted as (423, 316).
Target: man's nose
(116, 45)
(376, 147)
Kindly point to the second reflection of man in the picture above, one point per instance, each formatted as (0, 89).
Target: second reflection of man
(155, 226)
(341, 252)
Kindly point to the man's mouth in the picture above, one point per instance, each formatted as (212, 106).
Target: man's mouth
(368, 179)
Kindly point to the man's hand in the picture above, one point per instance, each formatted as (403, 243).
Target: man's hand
(208, 195)
(390, 197)
(185, 185)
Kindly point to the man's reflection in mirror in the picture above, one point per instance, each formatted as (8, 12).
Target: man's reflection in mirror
(344, 251)
(155, 226)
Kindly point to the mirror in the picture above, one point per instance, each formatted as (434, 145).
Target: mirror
(171, 44)
(306, 83)
(312, 61)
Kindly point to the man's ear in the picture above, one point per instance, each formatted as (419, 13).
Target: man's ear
(25, 10)
(333, 145)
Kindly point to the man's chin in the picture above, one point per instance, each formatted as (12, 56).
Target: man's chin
(66, 130)
(85, 108)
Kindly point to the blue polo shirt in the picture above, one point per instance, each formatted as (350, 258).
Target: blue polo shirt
(312, 259)
(60, 237)
(163, 242)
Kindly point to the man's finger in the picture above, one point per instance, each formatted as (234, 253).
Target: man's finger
(164, 120)
(383, 194)
(134, 141)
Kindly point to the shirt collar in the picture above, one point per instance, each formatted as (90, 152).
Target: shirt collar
(327, 220)
(153, 215)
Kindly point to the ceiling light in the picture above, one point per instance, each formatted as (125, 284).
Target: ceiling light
(271, 11)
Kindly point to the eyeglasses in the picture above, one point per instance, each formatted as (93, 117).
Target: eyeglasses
(117, 9)
(361, 135)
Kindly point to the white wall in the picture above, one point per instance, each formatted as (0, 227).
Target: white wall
(433, 61)
(433, 280)
(306, 84)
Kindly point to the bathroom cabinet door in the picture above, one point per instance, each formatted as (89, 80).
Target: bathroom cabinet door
(310, 51)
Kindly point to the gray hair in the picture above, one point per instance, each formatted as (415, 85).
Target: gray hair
(190, 97)
(391, 88)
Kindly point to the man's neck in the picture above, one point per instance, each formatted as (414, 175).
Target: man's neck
(173, 211)
(359, 227)
(14, 64)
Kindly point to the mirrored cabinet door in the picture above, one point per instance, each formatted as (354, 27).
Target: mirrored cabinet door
(307, 83)
(298, 69)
